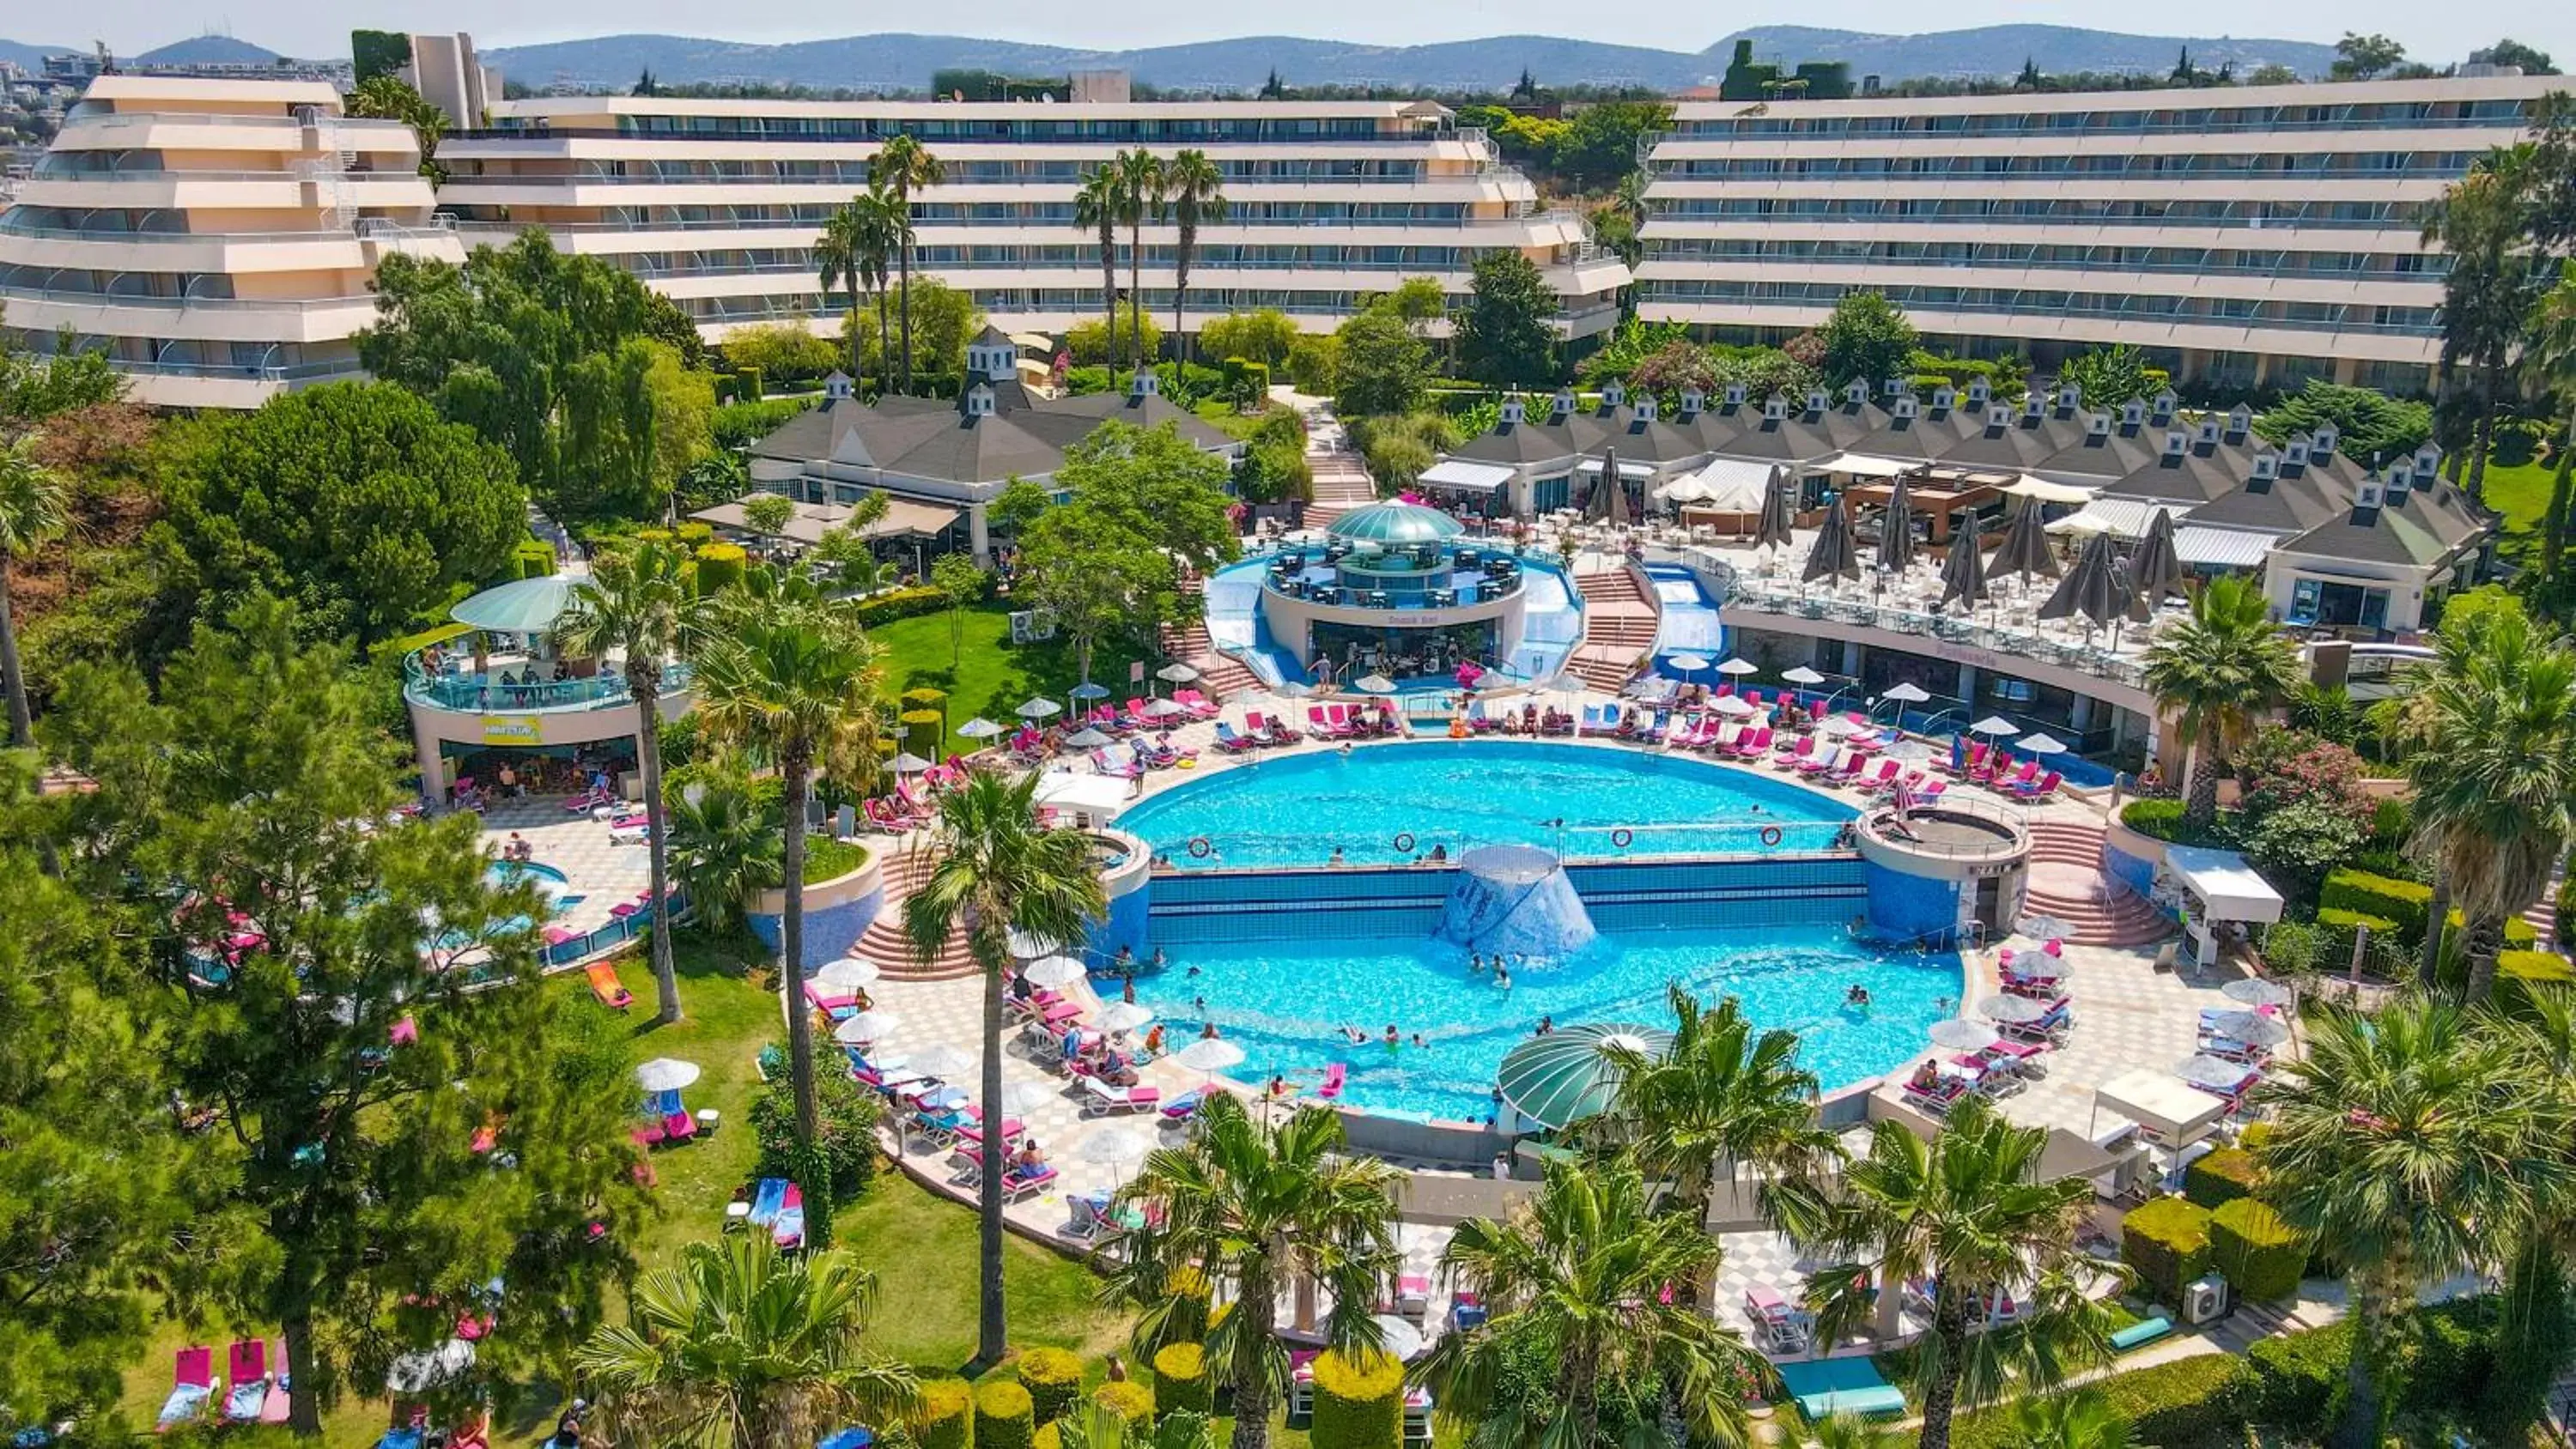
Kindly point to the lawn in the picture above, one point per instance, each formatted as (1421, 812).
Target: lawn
(2521, 494)
(993, 677)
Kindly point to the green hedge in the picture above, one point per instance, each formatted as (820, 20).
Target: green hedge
(944, 1416)
(2402, 901)
(1130, 1401)
(720, 566)
(2519, 971)
(2445, 1355)
(2166, 1243)
(2261, 1256)
(1053, 1378)
(924, 732)
(2221, 1177)
(2299, 1377)
(2159, 819)
(1181, 1380)
(2183, 1404)
(1359, 1404)
(896, 604)
(532, 560)
(1005, 1416)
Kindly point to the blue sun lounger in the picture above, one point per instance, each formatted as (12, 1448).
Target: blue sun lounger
(765, 1203)
(1829, 1386)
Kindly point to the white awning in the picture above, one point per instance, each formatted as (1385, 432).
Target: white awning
(1628, 468)
(2227, 888)
(1459, 473)
(2043, 491)
(2166, 1105)
(2119, 517)
(2233, 548)
(1863, 465)
(1726, 485)
(1103, 795)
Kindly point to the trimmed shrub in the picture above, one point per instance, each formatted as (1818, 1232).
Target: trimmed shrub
(720, 566)
(2221, 1177)
(2261, 1256)
(2517, 972)
(693, 533)
(1359, 1404)
(2188, 1402)
(944, 1416)
(1053, 1378)
(2166, 1243)
(2402, 901)
(922, 731)
(2299, 1378)
(2336, 928)
(1004, 1416)
(896, 604)
(1048, 1436)
(1181, 1380)
(1130, 1401)
(532, 560)
(924, 698)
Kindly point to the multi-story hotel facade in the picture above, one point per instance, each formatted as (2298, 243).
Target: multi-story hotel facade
(213, 237)
(716, 203)
(2244, 236)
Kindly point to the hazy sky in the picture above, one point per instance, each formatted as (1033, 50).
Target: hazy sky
(309, 27)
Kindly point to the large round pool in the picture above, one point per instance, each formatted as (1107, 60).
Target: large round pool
(1385, 803)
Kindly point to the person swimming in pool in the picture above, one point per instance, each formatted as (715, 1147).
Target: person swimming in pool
(1352, 1033)
(1393, 1038)
(1857, 996)
(1502, 974)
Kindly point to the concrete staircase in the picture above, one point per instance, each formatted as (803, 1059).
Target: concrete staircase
(1619, 622)
(2542, 915)
(2066, 881)
(1342, 483)
(903, 869)
(1220, 675)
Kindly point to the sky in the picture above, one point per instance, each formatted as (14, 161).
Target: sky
(304, 27)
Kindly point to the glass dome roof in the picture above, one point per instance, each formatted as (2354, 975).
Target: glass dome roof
(1395, 523)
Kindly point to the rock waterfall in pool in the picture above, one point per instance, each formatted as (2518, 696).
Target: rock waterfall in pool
(1515, 900)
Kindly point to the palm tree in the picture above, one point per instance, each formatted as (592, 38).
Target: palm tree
(723, 845)
(998, 870)
(1140, 200)
(1096, 207)
(1967, 1214)
(1586, 1276)
(740, 1346)
(1197, 191)
(2217, 670)
(1851, 1431)
(32, 513)
(1720, 1096)
(2405, 1140)
(2550, 356)
(793, 678)
(837, 253)
(2081, 1419)
(1256, 1209)
(630, 607)
(884, 232)
(902, 166)
(2482, 223)
(2532, 1324)
(2497, 797)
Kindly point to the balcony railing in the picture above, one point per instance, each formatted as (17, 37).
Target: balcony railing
(470, 693)
(61, 298)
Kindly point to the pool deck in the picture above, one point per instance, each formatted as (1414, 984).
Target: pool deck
(601, 874)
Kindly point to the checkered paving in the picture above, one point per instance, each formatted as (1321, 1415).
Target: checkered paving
(600, 873)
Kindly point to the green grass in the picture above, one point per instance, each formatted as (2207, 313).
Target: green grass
(2521, 494)
(826, 858)
(993, 677)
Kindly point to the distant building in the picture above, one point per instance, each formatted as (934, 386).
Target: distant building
(448, 75)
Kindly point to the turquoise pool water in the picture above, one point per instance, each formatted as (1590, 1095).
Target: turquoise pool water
(1286, 1004)
(1294, 810)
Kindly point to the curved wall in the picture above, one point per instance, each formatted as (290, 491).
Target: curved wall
(837, 912)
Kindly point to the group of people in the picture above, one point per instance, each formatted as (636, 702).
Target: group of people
(1499, 969)
(1529, 719)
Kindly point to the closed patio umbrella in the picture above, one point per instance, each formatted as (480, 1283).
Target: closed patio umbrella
(2091, 589)
(1963, 573)
(1608, 502)
(1896, 529)
(2026, 553)
(2155, 570)
(1779, 512)
(1833, 556)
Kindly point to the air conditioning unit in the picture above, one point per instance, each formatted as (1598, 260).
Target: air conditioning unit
(2204, 1300)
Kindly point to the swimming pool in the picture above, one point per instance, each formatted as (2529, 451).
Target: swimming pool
(1285, 1004)
(1581, 802)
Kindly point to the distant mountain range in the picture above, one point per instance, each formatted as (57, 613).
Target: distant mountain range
(207, 50)
(31, 57)
(891, 62)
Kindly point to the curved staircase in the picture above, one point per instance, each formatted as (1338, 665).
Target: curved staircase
(903, 869)
(1619, 622)
(2067, 881)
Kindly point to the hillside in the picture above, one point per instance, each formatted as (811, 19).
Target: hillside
(31, 57)
(206, 50)
(2000, 50)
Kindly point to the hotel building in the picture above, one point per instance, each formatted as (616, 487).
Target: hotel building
(716, 203)
(214, 237)
(2245, 237)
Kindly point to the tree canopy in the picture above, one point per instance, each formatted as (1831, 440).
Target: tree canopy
(1382, 364)
(1867, 339)
(1263, 336)
(1503, 332)
(1106, 562)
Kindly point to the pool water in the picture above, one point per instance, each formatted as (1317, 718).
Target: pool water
(552, 886)
(1294, 810)
(1286, 1005)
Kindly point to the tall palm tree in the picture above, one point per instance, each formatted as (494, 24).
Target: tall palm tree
(999, 870)
(884, 232)
(1585, 1275)
(836, 264)
(1968, 1212)
(1141, 194)
(1258, 1209)
(1721, 1097)
(741, 1346)
(723, 846)
(2217, 670)
(2497, 797)
(903, 166)
(792, 678)
(1096, 208)
(1196, 189)
(630, 607)
(2482, 222)
(2533, 1317)
(2403, 1139)
(2550, 356)
(32, 513)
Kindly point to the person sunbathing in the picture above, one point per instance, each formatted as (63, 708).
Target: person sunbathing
(1030, 1158)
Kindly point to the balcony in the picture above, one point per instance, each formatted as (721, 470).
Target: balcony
(465, 692)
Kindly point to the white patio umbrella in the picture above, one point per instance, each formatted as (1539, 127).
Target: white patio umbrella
(1376, 684)
(2216, 1073)
(1739, 667)
(1803, 675)
(1028, 947)
(2043, 927)
(1688, 664)
(1164, 709)
(1025, 1096)
(1906, 692)
(867, 1027)
(665, 1074)
(1209, 1054)
(847, 974)
(1176, 673)
(1996, 725)
(1038, 709)
(1962, 1035)
(1842, 725)
(2016, 1009)
(420, 1372)
(1086, 738)
(1732, 707)
(1055, 972)
(940, 1059)
(2041, 744)
(2255, 991)
(2251, 1027)
(1401, 1339)
(1125, 1015)
(1114, 1146)
(909, 763)
(979, 729)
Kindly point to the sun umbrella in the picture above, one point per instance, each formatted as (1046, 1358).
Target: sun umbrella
(1779, 512)
(1028, 947)
(847, 974)
(2026, 552)
(1906, 692)
(1375, 684)
(420, 1372)
(1023, 1097)
(979, 729)
(2155, 570)
(1209, 1054)
(1739, 667)
(2090, 589)
(665, 1074)
(1086, 738)
(1962, 1035)
(1112, 1146)
(1803, 675)
(1055, 972)
(2013, 1009)
(1687, 663)
(1841, 726)
(2042, 928)
(1569, 1074)
(1163, 708)
(867, 1026)
(1996, 725)
(2250, 1027)
(2041, 744)
(909, 763)
(1733, 707)
(1963, 573)
(1176, 673)
(1125, 1015)
(2216, 1073)
(1609, 500)
(1397, 1336)
(1089, 690)
(1038, 709)
(2255, 991)
(939, 1059)
(1896, 529)
(1833, 555)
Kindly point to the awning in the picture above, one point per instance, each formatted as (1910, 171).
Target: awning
(1098, 794)
(1038, 340)
(1460, 474)
(2164, 1104)
(2221, 547)
(1726, 485)
(2043, 491)
(1627, 468)
(1863, 465)
(807, 525)
(522, 606)
(2119, 517)
(2228, 889)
